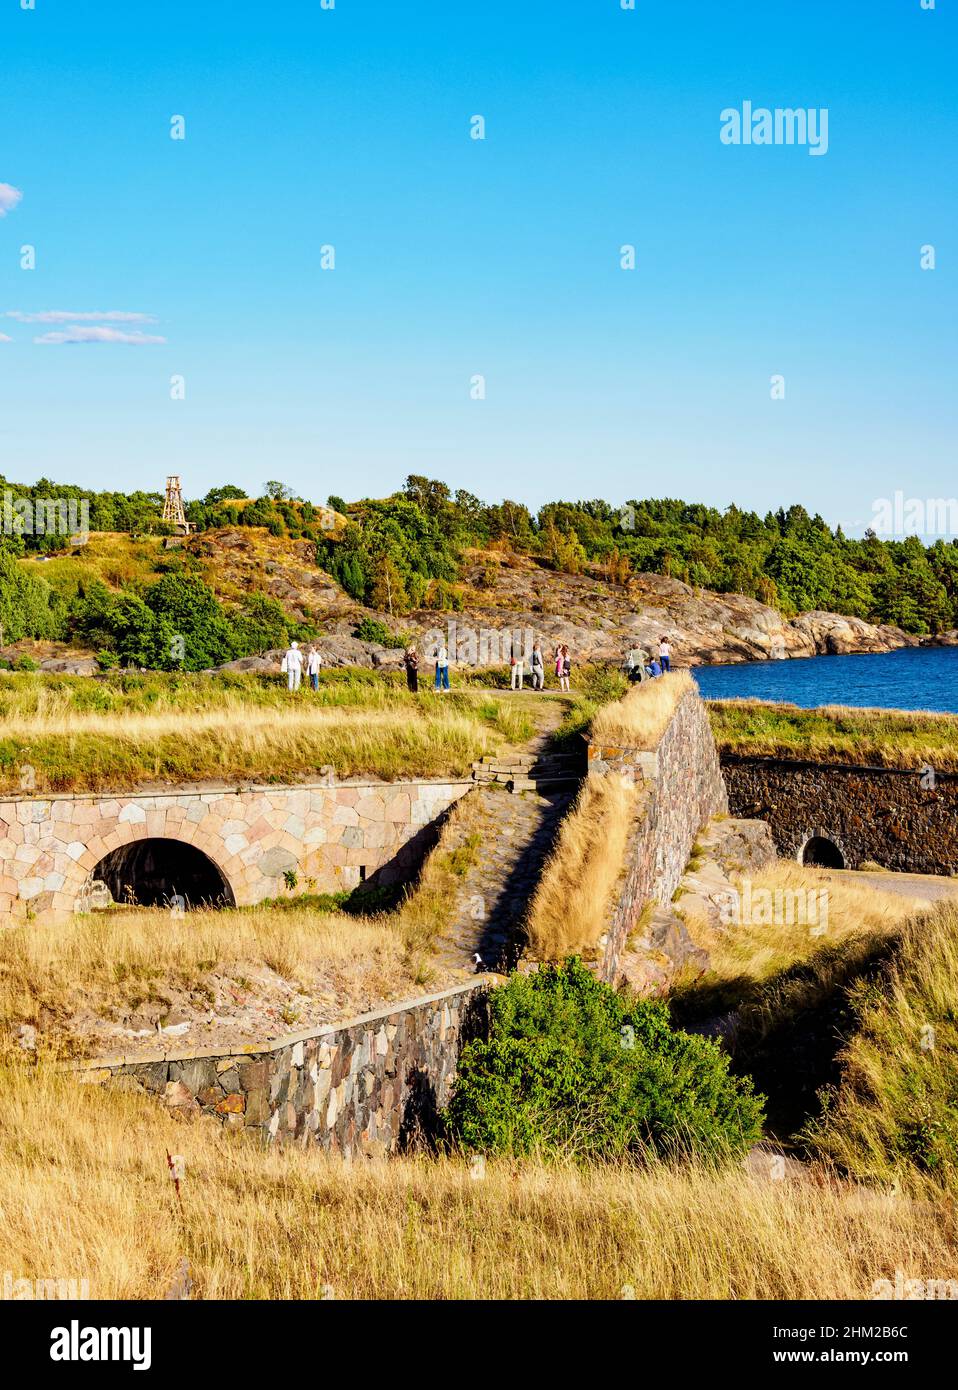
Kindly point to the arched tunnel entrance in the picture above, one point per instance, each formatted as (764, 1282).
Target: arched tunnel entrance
(152, 872)
(822, 852)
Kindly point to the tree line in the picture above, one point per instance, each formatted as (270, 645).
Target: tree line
(417, 547)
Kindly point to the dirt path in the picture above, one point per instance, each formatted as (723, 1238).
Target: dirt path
(922, 887)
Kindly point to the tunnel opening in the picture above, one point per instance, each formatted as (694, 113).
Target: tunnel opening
(823, 853)
(160, 872)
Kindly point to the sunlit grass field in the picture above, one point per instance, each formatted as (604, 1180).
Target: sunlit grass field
(85, 1193)
(840, 733)
(80, 734)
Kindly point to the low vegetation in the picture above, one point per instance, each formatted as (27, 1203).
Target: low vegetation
(568, 911)
(893, 1115)
(745, 958)
(782, 986)
(79, 735)
(573, 1069)
(836, 733)
(641, 717)
(89, 1196)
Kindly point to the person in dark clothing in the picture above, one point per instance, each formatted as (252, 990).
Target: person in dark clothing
(411, 663)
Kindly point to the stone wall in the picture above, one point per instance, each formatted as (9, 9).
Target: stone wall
(682, 787)
(335, 835)
(903, 820)
(372, 1085)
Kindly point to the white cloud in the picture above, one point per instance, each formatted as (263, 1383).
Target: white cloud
(77, 334)
(92, 316)
(5, 339)
(9, 197)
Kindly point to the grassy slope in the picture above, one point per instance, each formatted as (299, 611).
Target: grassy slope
(788, 986)
(893, 1117)
(90, 1195)
(887, 738)
(78, 735)
(291, 957)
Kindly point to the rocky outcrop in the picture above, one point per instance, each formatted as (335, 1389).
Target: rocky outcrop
(666, 943)
(599, 621)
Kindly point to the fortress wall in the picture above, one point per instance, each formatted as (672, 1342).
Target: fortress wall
(332, 834)
(683, 787)
(905, 820)
(370, 1086)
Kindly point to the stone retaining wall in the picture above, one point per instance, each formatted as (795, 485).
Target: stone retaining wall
(682, 787)
(372, 1085)
(903, 820)
(334, 834)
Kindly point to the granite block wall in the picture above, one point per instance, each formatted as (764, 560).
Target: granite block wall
(682, 787)
(335, 835)
(371, 1086)
(905, 820)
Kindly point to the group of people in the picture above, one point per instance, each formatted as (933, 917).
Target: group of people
(560, 661)
(641, 666)
(296, 661)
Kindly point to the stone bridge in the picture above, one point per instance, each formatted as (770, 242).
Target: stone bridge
(222, 845)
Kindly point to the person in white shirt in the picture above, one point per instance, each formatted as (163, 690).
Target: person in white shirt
(518, 666)
(293, 666)
(442, 667)
(313, 662)
(665, 655)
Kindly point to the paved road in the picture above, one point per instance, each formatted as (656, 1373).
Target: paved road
(927, 887)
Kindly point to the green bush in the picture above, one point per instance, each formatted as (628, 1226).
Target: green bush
(372, 630)
(573, 1068)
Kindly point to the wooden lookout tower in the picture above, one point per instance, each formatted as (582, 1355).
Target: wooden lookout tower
(173, 507)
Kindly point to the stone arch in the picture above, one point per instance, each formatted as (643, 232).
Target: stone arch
(84, 860)
(822, 850)
(156, 870)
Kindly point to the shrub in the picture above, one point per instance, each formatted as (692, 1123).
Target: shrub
(372, 630)
(573, 1068)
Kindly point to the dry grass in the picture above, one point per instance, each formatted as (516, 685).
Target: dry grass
(85, 1193)
(73, 979)
(755, 951)
(894, 1117)
(568, 911)
(78, 751)
(837, 733)
(641, 717)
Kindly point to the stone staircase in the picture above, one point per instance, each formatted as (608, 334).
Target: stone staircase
(541, 772)
(487, 919)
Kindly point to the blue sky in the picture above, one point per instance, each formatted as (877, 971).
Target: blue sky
(454, 257)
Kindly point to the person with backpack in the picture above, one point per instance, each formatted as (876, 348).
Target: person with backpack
(537, 667)
(566, 660)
